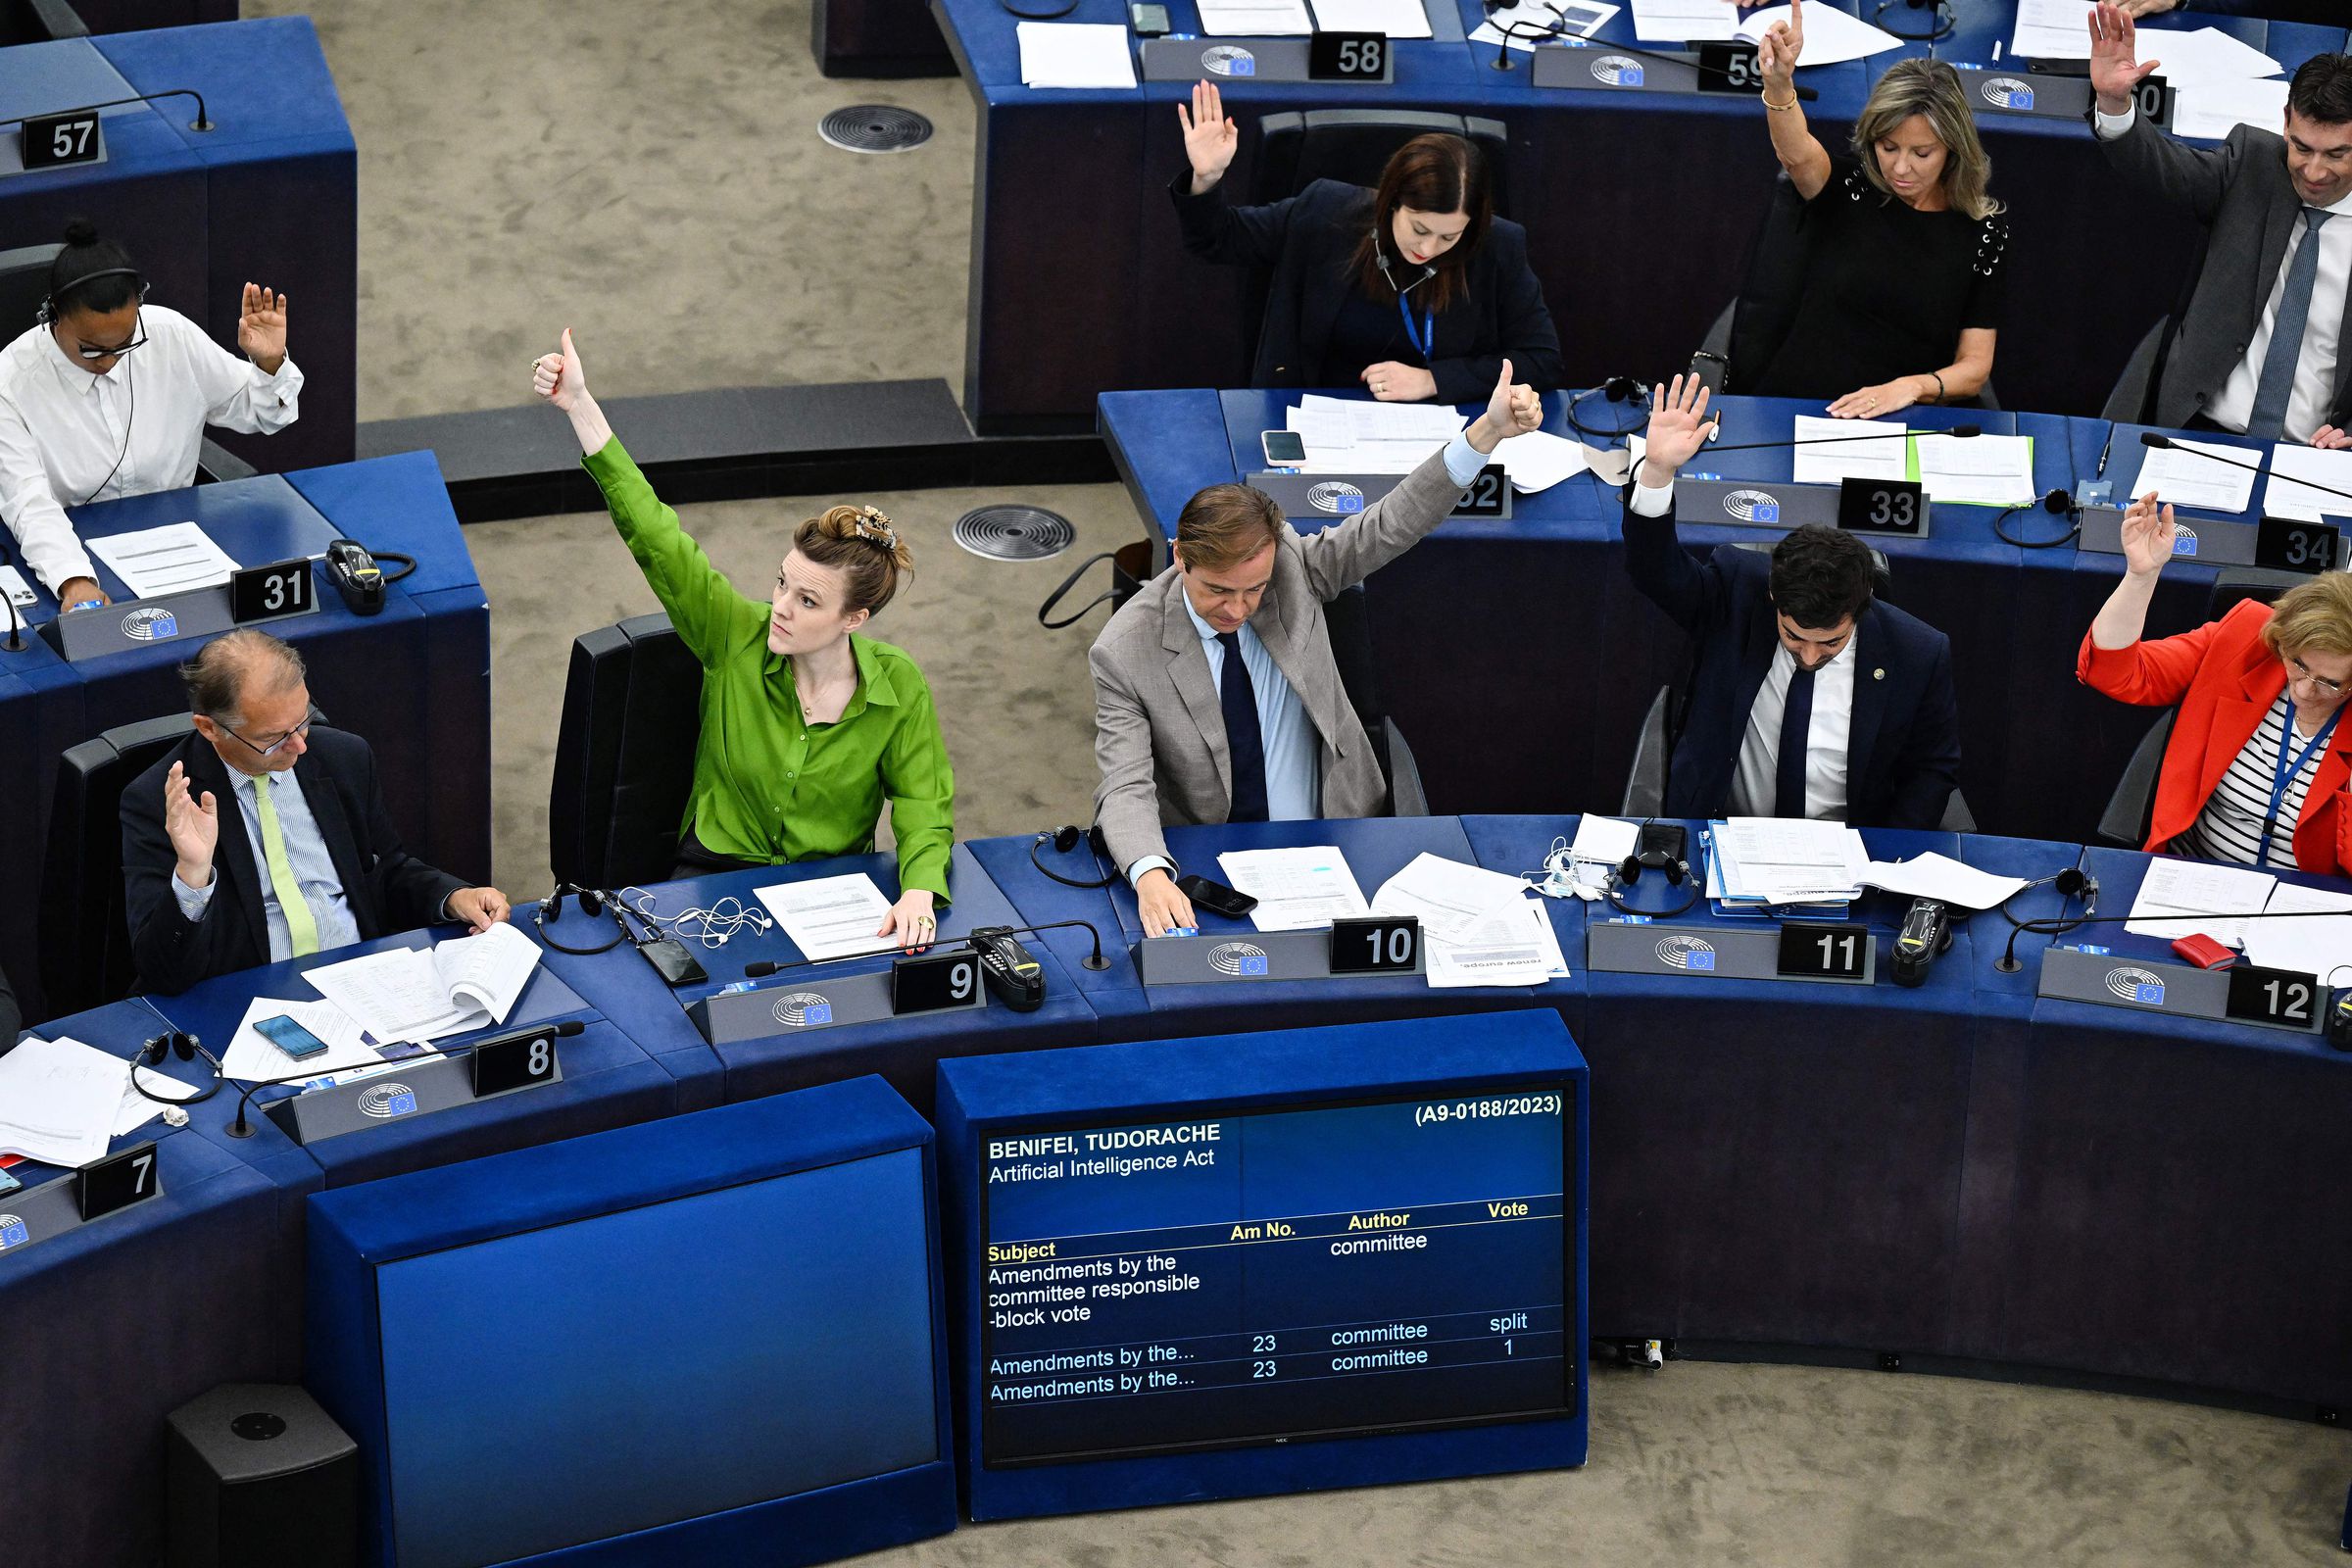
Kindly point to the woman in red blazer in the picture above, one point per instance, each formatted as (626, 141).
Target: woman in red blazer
(2257, 745)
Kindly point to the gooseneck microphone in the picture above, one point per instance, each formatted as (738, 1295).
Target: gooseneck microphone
(2061, 924)
(764, 968)
(243, 1128)
(8, 553)
(2165, 443)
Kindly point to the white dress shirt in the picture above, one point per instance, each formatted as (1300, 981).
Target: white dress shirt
(1755, 780)
(307, 856)
(63, 431)
(2313, 393)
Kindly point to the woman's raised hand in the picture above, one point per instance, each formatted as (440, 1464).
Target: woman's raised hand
(1778, 49)
(1209, 138)
(2148, 531)
(560, 377)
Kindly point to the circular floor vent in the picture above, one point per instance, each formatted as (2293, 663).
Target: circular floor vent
(1014, 533)
(874, 129)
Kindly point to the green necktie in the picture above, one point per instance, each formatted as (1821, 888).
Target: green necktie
(301, 929)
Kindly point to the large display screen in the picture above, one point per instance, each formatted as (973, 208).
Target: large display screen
(1218, 1280)
(608, 1375)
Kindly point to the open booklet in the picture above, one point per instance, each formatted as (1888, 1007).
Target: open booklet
(424, 994)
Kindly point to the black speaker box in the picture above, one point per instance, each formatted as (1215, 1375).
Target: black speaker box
(258, 1476)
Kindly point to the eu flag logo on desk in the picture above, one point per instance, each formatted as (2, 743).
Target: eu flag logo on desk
(12, 1232)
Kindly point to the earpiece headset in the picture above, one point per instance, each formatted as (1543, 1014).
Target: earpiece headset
(2058, 504)
(1629, 871)
(46, 315)
(595, 904)
(1616, 389)
(187, 1048)
(2071, 883)
(1380, 259)
(1064, 839)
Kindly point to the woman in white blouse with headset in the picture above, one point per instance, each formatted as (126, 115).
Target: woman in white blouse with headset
(71, 386)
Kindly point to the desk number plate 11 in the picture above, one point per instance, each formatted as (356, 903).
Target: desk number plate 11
(1882, 506)
(933, 984)
(116, 1180)
(2289, 544)
(1349, 57)
(517, 1063)
(57, 141)
(1825, 951)
(1376, 945)
(263, 593)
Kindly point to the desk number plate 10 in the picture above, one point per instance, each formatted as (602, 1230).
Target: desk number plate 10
(1349, 57)
(265, 593)
(116, 1180)
(1882, 506)
(1376, 945)
(58, 141)
(933, 984)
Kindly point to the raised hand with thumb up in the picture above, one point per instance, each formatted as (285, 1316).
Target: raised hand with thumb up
(563, 380)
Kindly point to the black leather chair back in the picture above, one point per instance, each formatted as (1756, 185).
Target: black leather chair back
(84, 942)
(24, 285)
(2129, 808)
(624, 757)
(2233, 585)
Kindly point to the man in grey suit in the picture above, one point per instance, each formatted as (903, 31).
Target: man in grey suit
(2261, 349)
(1216, 697)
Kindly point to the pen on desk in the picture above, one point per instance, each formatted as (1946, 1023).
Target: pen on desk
(1996, 51)
(2100, 472)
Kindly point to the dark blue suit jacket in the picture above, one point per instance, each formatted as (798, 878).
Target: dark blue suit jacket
(1903, 749)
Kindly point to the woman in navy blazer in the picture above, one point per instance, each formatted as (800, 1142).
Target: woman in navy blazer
(1416, 290)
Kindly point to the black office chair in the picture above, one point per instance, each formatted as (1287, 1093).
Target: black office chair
(1350, 627)
(1752, 328)
(2129, 400)
(2233, 585)
(624, 757)
(1296, 148)
(2134, 802)
(84, 942)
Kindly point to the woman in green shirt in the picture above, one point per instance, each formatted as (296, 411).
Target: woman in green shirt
(805, 725)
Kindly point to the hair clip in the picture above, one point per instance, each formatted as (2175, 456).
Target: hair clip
(872, 524)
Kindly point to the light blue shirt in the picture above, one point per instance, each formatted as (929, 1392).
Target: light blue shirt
(306, 854)
(1294, 750)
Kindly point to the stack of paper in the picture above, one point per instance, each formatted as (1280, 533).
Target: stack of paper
(1076, 54)
(2319, 943)
(2179, 475)
(1254, 19)
(1943, 879)
(1841, 453)
(1296, 890)
(830, 916)
(1985, 470)
(424, 994)
(2292, 461)
(1533, 21)
(165, 560)
(2053, 30)
(1832, 37)
(1684, 21)
(1771, 861)
(1399, 19)
(2182, 897)
(59, 1101)
(1351, 435)
(1477, 926)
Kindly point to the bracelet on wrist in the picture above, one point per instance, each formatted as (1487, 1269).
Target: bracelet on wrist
(1779, 107)
(1938, 378)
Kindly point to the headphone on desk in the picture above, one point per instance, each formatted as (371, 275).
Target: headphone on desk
(2071, 883)
(595, 904)
(187, 1048)
(1616, 389)
(1627, 872)
(1066, 838)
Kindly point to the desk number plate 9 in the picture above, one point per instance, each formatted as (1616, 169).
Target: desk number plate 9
(55, 141)
(262, 593)
(2273, 995)
(515, 1063)
(2289, 544)
(1380, 945)
(1347, 57)
(934, 983)
(117, 1182)
(1825, 951)
(1882, 506)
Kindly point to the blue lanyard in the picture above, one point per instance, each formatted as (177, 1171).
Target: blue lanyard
(1425, 340)
(2286, 772)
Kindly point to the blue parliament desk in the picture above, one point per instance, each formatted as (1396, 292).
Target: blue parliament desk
(1544, 597)
(1081, 172)
(268, 195)
(413, 679)
(792, 1048)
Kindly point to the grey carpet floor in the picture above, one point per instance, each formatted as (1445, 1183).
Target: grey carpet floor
(650, 175)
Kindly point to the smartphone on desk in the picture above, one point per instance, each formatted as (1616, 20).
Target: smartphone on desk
(1284, 449)
(1217, 896)
(289, 1037)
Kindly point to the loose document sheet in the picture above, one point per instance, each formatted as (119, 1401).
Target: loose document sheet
(1399, 19)
(1449, 899)
(830, 916)
(2198, 58)
(1514, 946)
(2181, 475)
(1076, 54)
(1296, 890)
(425, 994)
(1943, 879)
(2283, 497)
(2319, 945)
(2212, 898)
(251, 1054)
(170, 560)
(2213, 110)
(2053, 30)
(1350, 435)
(1246, 19)
(1985, 470)
(13, 583)
(1849, 458)
(1686, 21)
(59, 1099)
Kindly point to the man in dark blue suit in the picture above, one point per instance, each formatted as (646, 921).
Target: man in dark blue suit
(1807, 696)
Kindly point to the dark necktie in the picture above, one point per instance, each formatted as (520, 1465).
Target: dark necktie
(1796, 730)
(1243, 740)
(2275, 388)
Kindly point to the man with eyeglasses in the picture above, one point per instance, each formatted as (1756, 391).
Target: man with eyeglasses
(262, 838)
(108, 395)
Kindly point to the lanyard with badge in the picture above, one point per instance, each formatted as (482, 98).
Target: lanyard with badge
(1425, 340)
(2286, 772)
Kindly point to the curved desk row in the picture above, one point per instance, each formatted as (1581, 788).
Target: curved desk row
(1638, 205)
(1545, 595)
(1965, 1170)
